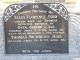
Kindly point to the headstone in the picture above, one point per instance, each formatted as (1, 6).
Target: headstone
(36, 28)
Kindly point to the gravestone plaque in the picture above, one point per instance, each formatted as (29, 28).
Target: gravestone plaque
(36, 28)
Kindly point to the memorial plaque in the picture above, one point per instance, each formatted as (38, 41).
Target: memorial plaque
(36, 28)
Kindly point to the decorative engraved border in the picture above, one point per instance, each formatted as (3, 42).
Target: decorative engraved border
(11, 10)
(60, 9)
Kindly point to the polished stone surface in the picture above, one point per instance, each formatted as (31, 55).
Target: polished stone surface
(74, 45)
